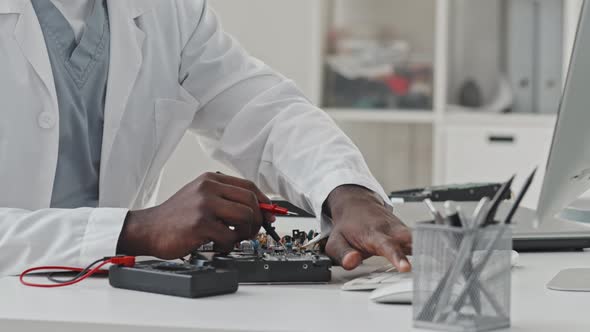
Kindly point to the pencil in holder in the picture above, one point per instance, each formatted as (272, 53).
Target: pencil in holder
(462, 277)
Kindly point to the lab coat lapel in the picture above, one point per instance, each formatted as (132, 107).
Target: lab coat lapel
(125, 64)
(30, 38)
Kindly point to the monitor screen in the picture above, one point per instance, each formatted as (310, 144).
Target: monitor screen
(568, 170)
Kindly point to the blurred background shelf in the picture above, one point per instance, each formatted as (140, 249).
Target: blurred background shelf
(381, 116)
(399, 112)
(499, 119)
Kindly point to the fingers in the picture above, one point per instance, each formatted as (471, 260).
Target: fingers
(241, 191)
(249, 186)
(352, 260)
(231, 213)
(341, 251)
(224, 238)
(249, 215)
(245, 198)
(244, 184)
(393, 246)
(387, 247)
(239, 216)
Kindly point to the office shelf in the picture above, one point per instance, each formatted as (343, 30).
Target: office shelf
(403, 148)
(499, 119)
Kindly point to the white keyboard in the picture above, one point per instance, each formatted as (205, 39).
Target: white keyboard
(380, 277)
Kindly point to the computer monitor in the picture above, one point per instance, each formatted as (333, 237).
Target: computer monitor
(567, 175)
(568, 170)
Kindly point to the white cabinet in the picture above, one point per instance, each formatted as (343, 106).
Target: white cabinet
(492, 153)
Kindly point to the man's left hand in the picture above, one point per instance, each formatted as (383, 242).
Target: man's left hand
(365, 227)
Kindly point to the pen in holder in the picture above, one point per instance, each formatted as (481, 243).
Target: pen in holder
(462, 277)
(462, 274)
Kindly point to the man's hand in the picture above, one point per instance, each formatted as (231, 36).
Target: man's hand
(201, 212)
(364, 227)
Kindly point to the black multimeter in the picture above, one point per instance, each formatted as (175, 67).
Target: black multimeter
(176, 279)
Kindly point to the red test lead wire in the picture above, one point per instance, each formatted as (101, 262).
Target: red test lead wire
(275, 209)
(117, 260)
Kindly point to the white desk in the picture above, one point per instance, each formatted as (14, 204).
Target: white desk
(95, 306)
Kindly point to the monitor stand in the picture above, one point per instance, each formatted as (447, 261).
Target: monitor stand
(573, 280)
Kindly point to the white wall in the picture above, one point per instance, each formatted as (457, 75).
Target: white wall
(280, 32)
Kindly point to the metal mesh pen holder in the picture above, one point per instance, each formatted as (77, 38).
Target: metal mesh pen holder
(462, 277)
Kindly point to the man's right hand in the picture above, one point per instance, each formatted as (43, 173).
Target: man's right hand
(199, 213)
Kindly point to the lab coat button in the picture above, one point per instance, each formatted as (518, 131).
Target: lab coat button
(46, 120)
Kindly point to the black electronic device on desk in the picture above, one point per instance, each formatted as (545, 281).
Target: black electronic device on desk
(471, 192)
(276, 267)
(177, 279)
(267, 261)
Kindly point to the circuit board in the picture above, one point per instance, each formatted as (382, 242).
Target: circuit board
(264, 261)
(277, 267)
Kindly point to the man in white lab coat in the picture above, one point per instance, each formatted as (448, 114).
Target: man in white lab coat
(96, 94)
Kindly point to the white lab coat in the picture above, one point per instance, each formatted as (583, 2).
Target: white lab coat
(172, 69)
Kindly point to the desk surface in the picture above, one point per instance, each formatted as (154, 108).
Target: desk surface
(94, 306)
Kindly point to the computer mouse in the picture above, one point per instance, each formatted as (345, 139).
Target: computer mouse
(514, 258)
(397, 293)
